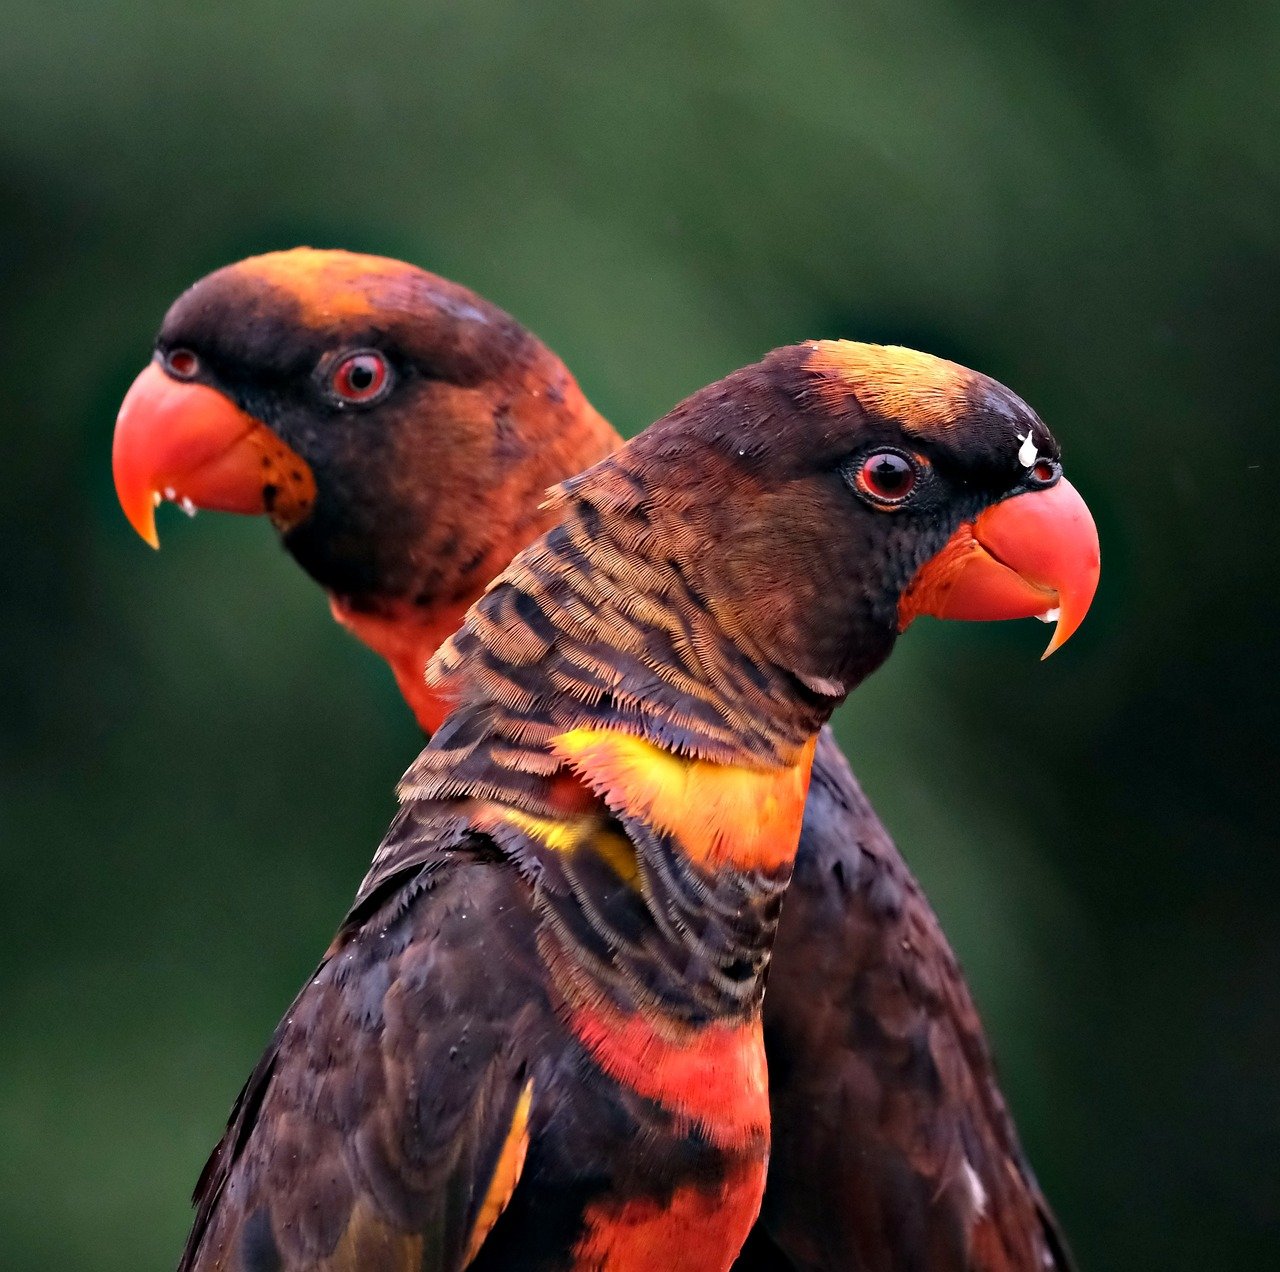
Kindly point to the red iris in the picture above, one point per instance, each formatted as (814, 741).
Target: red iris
(182, 364)
(360, 377)
(887, 476)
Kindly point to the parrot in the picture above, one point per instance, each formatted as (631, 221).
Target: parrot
(400, 431)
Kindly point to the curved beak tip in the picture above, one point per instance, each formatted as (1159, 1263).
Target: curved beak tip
(147, 531)
(138, 501)
(1056, 642)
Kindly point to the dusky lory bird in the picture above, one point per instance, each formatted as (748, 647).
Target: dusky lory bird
(400, 431)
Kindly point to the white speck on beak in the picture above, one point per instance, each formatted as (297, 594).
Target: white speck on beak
(187, 506)
(1027, 453)
(170, 494)
(1050, 615)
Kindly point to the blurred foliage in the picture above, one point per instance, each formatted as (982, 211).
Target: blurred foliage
(195, 764)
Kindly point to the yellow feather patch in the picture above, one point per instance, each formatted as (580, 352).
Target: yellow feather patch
(328, 285)
(922, 393)
(722, 814)
(570, 834)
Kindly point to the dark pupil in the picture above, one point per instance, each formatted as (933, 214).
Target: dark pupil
(890, 474)
(360, 376)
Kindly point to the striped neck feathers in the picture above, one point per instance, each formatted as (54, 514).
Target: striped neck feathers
(601, 624)
(616, 745)
(593, 666)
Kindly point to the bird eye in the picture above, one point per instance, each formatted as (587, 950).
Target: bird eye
(182, 364)
(1044, 471)
(360, 377)
(886, 477)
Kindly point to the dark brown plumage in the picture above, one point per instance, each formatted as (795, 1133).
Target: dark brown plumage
(878, 1064)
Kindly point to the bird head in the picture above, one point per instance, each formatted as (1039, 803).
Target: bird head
(397, 429)
(821, 500)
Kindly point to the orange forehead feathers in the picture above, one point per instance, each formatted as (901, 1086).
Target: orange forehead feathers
(922, 393)
(330, 284)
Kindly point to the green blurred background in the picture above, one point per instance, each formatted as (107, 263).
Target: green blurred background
(195, 764)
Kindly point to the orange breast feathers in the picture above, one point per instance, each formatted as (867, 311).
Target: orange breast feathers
(695, 1230)
(712, 1078)
(721, 814)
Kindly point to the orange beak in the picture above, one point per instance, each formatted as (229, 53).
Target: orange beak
(1031, 556)
(190, 444)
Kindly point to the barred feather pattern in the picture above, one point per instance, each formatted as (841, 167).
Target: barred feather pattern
(598, 626)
